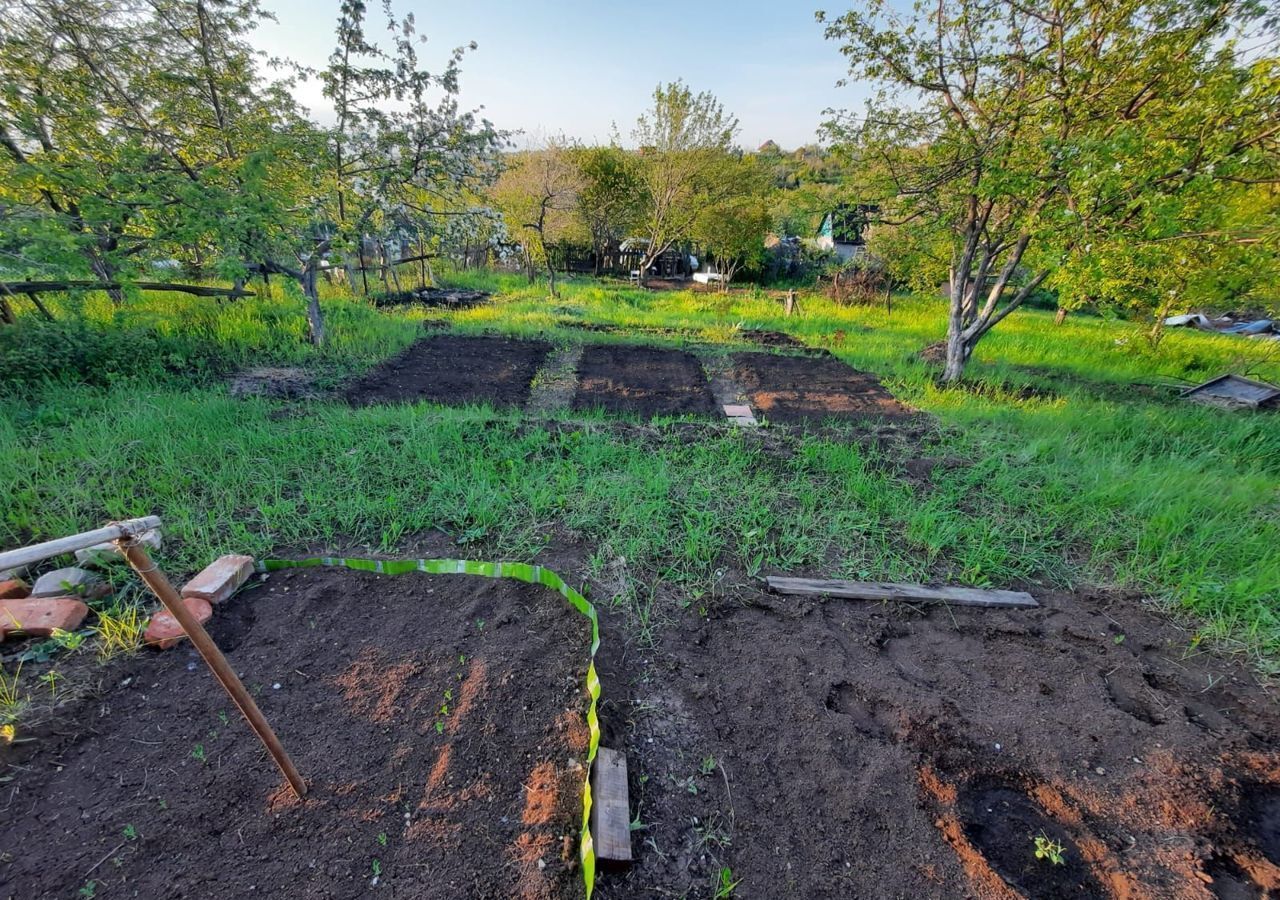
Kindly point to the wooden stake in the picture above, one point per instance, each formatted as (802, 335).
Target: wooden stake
(141, 561)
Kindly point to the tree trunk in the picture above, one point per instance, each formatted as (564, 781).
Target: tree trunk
(1061, 316)
(6, 312)
(551, 279)
(315, 318)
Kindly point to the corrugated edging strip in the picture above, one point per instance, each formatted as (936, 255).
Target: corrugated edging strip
(530, 574)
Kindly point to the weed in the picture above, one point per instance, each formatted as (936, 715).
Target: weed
(724, 883)
(12, 704)
(1049, 849)
(119, 631)
(51, 678)
(67, 640)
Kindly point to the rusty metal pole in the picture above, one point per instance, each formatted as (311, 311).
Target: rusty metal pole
(142, 563)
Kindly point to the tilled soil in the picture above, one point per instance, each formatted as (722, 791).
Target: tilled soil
(809, 390)
(642, 381)
(843, 749)
(456, 370)
(439, 721)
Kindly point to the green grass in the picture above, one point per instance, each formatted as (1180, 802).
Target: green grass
(1070, 473)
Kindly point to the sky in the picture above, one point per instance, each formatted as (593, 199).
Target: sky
(571, 67)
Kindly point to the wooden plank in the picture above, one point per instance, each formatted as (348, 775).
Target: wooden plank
(883, 590)
(610, 812)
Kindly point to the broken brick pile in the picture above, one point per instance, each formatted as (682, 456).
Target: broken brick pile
(52, 604)
(219, 580)
(55, 602)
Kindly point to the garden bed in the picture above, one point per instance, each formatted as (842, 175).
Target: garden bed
(831, 749)
(800, 390)
(455, 370)
(439, 721)
(642, 381)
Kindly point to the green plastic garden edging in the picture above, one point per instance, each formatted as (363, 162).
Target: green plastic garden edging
(521, 572)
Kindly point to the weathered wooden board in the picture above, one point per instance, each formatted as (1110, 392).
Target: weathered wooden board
(884, 590)
(610, 812)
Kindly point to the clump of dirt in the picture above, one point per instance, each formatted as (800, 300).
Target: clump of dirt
(772, 339)
(275, 382)
(455, 370)
(642, 381)
(438, 721)
(801, 390)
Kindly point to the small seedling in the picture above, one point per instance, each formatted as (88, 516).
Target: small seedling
(164, 804)
(67, 640)
(382, 838)
(197, 752)
(1050, 849)
(222, 716)
(51, 678)
(1118, 640)
(439, 727)
(708, 766)
(90, 888)
(725, 884)
(377, 868)
(130, 833)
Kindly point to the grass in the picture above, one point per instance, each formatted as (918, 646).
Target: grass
(1067, 472)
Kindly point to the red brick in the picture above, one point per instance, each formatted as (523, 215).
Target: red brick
(164, 630)
(220, 578)
(39, 616)
(13, 588)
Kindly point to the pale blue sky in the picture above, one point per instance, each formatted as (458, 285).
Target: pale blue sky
(576, 67)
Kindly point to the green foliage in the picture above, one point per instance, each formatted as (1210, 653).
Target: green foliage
(1094, 148)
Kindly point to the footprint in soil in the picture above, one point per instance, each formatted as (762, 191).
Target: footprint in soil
(1258, 818)
(1003, 823)
(1229, 880)
(866, 716)
(1134, 696)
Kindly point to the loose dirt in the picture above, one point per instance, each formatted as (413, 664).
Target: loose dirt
(642, 381)
(844, 749)
(439, 721)
(454, 369)
(809, 390)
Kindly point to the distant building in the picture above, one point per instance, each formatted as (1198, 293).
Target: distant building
(844, 229)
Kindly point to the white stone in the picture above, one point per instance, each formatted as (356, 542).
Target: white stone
(63, 582)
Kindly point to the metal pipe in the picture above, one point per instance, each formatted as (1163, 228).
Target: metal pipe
(141, 562)
(25, 556)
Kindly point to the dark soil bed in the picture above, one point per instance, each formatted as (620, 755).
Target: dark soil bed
(642, 381)
(799, 390)
(439, 721)
(446, 298)
(835, 749)
(455, 370)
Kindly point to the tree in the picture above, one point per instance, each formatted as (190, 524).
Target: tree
(538, 196)
(1047, 132)
(682, 141)
(609, 196)
(732, 229)
(396, 155)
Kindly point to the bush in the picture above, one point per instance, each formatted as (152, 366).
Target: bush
(75, 350)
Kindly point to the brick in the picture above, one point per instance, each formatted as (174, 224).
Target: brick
(220, 579)
(39, 616)
(107, 552)
(61, 582)
(13, 588)
(164, 631)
